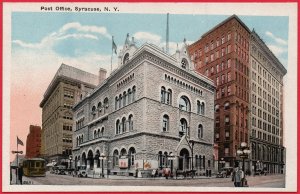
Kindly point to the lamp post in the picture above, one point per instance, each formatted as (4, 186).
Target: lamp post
(171, 158)
(108, 163)
(102, 157)
(222, 162)
(70, 166)
(192, 145)
(243, 152)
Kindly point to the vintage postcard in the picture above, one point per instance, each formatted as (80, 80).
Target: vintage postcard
(189, 97)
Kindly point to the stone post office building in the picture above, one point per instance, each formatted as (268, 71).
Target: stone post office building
(151, 107)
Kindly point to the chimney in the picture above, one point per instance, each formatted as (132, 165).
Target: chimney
(102, 75)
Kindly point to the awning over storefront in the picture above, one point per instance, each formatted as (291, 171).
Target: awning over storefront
(51, 164)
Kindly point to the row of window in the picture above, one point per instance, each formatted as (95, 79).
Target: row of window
(67, 127)
(100, 107)
(126, 98)
(68, 94)
(67, 140)
(218, 68)
(124, 125)
(263, 136)
(79, 139)
(183, 127)
(125, 81)
(98, 133)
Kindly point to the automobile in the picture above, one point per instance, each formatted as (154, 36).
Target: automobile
(261, 172)
(82, 171)
(225, 172)
(60, 169)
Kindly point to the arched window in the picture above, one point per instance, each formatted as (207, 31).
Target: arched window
(116, 158)
(202, 108)
(98, 133)
(118, 126)
(124, 98)
(129, 96)
(116, 103)
(169, 96)
(120, 101)
(126, 58)
(183, 127)
(184, 104)
(217, 108)
(99, 105)
(200, 131)
(198, 107)
(160, 160)
(101, 131)
(226, 105)
(131, 154)
(133, 93)
(105, 103)
(184, 63)
(95, 134)
(165, 123)
(123, 125)
(130, 122)
(163, 94)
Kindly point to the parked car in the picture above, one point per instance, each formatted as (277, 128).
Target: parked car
(60, 169)
(225, 172)
(261, 172)
(82, 171)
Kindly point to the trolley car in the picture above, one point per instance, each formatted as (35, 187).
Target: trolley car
(34, 167)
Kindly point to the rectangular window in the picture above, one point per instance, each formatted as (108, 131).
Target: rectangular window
(228, 76)
(228, 90)
(229, 63)
(223, 40)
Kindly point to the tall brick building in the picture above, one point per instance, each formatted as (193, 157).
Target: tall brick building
(248, 100)
(33, 142)
(222, 54)
(152, 107)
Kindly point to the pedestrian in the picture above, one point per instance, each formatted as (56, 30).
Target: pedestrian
(20, 174)
(237, 177)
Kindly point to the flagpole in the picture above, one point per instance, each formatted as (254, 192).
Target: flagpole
(17, 169)
(112, 49)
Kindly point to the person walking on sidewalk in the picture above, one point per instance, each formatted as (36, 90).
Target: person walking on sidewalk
(20, 174)
(237, 177)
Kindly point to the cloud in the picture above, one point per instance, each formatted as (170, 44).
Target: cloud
(80, 28)
(276, 39)
(147, 37)
(81, 32)
(277, 50)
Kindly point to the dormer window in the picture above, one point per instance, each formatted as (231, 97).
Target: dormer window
(126, 58)
(184, 63)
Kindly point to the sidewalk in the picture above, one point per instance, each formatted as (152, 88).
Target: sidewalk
(25, 180)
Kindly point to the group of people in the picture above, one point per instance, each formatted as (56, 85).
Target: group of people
(238, 177)
(19, 174)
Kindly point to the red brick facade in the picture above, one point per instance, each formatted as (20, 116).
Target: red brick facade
(222, 54)
(33, 142)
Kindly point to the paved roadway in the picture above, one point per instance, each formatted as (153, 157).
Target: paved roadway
(269, 181)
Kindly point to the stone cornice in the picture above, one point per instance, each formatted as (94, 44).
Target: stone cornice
(267, 52)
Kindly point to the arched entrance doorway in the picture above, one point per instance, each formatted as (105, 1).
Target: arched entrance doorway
(90, 160)
(83, 160)
(184, 159)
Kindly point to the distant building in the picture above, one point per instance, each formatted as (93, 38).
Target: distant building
(266, 108)
(33, 142)
(152, 107)
(68, 86)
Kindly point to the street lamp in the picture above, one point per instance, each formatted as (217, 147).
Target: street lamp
(70, 159)
(171, 158)
(102, 157)
(222, 162)
(243, 152)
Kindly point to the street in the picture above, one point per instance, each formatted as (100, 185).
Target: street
(269, 181)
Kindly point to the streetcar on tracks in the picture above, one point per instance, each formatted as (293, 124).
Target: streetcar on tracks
(34, 167)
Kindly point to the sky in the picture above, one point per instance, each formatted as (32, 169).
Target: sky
(41, 42)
